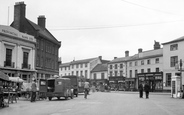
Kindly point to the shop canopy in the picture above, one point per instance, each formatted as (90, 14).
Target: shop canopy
(16, 79)
(3, 76)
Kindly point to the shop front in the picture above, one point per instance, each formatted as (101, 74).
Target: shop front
(154, 79)
(130, 84)
(117, 83)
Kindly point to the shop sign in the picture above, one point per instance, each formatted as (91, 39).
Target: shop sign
(13, 32)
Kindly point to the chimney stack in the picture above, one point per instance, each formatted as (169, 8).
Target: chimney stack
(19, 15)
(126, 53)
(41, 21)
(139, 50)
(156, 45)
(100, 57)
(115, 57)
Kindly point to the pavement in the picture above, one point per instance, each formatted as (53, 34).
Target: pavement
(101, 103)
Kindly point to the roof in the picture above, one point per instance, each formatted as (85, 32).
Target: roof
(44, 32)
(142, 55)
(100, 67)
(83, 61)
(175, 40)
(65, 65)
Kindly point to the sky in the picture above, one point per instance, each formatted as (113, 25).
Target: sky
(107, 28)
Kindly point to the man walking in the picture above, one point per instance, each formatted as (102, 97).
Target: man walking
(140, 90)
(33, 89)
(146, 89)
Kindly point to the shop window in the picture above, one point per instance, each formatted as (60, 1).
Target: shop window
(174, 60)
(168, 79)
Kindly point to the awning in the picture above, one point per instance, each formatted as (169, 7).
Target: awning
(16, 79)
(3, 76)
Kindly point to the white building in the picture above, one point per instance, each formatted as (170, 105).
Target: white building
(17, 53)
(79, 67)
(172, 54)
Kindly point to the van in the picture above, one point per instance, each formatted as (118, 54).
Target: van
(59, 87)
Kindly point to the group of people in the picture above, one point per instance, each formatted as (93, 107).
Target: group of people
(144, 87)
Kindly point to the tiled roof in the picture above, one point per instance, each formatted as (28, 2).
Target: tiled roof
(65, 65)
(44, 32)
(100, 67)
(142, 55)
(83, 61)
(175, 40)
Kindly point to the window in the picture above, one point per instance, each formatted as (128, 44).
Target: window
(135, 73)
(77, 66)
(86, 65)
(121, 65)
(25, 59)
(157, 69)
(157, 60)
(121, 73)
(102, 76)
(116, 73)
(81, 65)
(142, 70)
(81, 73)
(149, 70)
(77, 73)
(130, 64)
(8, 57)
(168, 79)
(173, 47)
(135, 63)
(110, 73)
(110, 66)
(72, 72)
(130, 73)
(116, 66)
(142, 62)
(86, 73)
(148, 61)
(174, 60)
(94, 75)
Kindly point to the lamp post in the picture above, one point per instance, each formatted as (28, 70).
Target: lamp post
(181, 77)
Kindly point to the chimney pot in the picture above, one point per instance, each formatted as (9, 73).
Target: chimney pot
(139, 50)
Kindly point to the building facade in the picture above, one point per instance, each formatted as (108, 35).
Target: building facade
(99, 74)
(47, 45)
(17, 53)
(172, 57)
(79, 67)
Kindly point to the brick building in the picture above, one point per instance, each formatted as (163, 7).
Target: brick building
(47, 45)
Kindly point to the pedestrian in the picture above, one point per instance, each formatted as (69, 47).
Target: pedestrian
(140, 90)
(86, 88)
(33, 91)
(147, 89)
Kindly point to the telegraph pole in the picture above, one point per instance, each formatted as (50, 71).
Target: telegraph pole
(181, 77)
